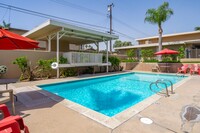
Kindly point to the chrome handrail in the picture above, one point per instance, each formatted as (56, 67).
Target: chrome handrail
(156, 83)
(172, 89)
(180, 75)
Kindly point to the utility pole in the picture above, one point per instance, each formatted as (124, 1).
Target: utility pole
(110, 16)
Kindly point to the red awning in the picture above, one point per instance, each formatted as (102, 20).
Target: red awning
(166, 51)
(9, 41)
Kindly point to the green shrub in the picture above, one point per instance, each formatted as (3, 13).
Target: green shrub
(114, 62)
(174, 57)
(63, 60)
(190, 61)
(130, 53)
(129, 60)
(181, 51)
(68, 72)
(89, 70)
(104, 59)
(169, 58)
(44, 67)
(22, 63)
(169, 61)
(26, 71)
(166, 58)
(147, 54)
(150, 60)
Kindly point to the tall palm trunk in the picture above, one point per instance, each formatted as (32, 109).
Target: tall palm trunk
(160, 42)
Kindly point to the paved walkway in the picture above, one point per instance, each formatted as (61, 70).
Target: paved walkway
(166, 112)
(51, 117)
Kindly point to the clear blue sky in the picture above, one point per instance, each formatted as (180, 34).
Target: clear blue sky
(131, 12)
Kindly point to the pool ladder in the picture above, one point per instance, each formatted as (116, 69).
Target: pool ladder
(179, 75)
(162, 81)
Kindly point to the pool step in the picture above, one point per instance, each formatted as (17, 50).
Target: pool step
(162, 81)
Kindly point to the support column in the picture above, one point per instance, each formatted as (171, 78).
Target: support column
(107, 56)
(58, 37)
(98, 47)
(49, 43)
(196, 53)
(57, 53)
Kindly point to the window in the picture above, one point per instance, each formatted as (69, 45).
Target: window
(74, 47)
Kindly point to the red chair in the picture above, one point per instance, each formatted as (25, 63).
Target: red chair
(194, 68)
(183, 69)
(9, 127)
(7, 117)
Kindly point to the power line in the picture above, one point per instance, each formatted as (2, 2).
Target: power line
(4, 15)
(124, 35)
(66, 3)
(46, 15)
(127, 25)
(30, 12)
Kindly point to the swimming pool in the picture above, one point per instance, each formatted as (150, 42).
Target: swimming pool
(109, 95)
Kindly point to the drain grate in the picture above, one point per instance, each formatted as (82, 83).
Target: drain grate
(191, 113)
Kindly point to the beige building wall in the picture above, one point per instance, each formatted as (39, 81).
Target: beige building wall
(8, 56)
(17, 31)
(123, 51)
(64, 46)
(171, 38)
(148, 41)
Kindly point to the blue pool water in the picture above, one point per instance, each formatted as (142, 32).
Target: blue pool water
(109, 95)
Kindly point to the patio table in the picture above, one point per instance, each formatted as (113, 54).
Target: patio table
(8, 81)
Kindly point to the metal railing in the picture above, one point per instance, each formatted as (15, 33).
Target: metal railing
(172, 89)
(162, 81)
(83, 58)
(193, 53)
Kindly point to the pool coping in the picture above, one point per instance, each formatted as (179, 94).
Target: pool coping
(110, 122)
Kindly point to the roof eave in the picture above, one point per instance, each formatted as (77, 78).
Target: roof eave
(56, 23)
(168, 35)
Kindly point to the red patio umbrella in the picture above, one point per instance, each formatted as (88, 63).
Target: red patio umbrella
(10, 41)
(166, 51)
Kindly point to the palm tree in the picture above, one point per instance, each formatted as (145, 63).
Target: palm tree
(5, 25)
(197, 28)
(159, 16)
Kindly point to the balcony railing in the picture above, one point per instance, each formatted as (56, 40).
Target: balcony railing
(83, 58)
(193, 53)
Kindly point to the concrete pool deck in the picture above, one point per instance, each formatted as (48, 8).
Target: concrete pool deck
(42, 114)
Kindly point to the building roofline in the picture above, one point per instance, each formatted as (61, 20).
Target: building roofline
(65, 25)
(37, 28)
(168, 35)
(156, 44)
(17, 29)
